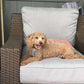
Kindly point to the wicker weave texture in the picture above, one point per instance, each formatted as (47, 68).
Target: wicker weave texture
(79, 43)
(11, 52)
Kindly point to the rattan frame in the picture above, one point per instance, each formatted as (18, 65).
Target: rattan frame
(11, 51)
(79, 42)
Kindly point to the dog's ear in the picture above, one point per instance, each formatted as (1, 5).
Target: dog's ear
(45, 42)
(29, 40)
(30, 36)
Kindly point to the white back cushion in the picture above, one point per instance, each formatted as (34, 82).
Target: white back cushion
(59, 23)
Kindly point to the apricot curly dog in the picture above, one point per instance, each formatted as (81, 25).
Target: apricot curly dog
(39, 49)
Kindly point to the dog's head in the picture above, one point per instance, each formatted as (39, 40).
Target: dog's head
(37, 40)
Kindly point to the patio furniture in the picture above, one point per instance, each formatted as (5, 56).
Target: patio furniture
(11, 51)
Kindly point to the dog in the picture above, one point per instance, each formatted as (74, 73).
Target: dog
(38, 49)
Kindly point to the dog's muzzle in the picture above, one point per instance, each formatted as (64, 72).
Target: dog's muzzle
(38, 46)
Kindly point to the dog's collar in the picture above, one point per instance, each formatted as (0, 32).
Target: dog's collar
(34, 49)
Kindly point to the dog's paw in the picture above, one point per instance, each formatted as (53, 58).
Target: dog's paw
(23, 63)
(62, 57)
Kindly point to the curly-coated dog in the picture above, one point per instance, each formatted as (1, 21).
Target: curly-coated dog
(39, 49)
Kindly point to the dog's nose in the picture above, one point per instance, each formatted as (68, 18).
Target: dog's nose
(40, 43)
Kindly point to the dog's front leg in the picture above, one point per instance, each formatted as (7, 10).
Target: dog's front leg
(25, 57)
(37, 57)
(31, 59)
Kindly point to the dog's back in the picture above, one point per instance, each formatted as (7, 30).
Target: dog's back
(53, 50)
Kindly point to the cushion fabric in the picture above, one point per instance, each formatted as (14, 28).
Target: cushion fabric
(57, 41)
(56, 23)
(59, 23)
(44, 75)
(52, 70)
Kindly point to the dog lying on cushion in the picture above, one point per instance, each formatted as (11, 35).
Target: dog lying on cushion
(39, 49)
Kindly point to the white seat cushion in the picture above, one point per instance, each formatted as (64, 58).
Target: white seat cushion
(53, 70)
(58, 23)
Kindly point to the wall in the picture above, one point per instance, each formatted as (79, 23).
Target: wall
(14, 6)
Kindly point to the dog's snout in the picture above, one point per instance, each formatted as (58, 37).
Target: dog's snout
(40, 43)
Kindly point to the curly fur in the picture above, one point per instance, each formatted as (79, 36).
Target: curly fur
(47, 50)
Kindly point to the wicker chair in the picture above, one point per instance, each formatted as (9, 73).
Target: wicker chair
(11, 51)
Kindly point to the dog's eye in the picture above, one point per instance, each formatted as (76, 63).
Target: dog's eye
(36, 37)
(42, 38)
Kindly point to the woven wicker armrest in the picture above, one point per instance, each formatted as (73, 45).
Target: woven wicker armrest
(11, 52)
(79, 43)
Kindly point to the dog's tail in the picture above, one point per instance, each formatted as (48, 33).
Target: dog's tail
(75, 56)
(79, 56)
(75, 52)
